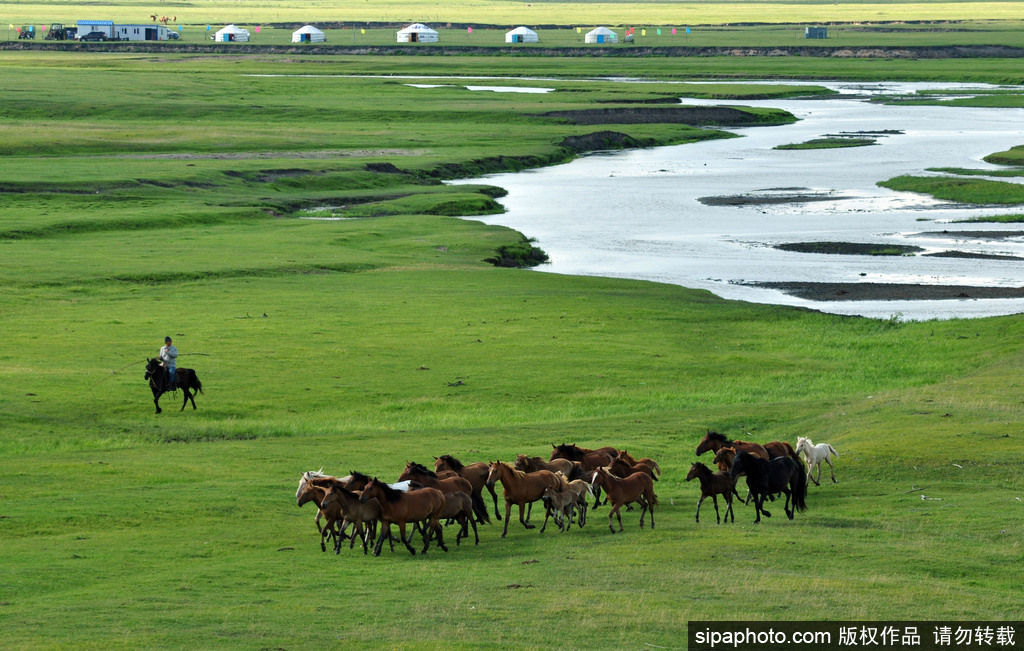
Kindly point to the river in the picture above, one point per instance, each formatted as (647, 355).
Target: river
(637, 213)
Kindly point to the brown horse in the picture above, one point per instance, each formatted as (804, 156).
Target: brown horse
(781, 449)
(715, 441)
(419, 473)
(713, 484)
(589, 459)
(559, 504)
(521, 488)
(628, 458)
(571, 469)
(476, 473)
(402, 508)
(356, 511)
(724, 458)
(635, 488)
(310, 491)
(458, 506)
(622, 468)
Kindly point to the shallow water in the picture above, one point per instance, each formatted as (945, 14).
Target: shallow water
(637, 214)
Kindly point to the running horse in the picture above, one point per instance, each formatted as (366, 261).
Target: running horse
(184, 379)
(522, 488)
(476, 473)
(714, 441)
(764, 478)
(405, 508)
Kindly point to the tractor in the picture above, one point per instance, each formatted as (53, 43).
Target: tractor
(59, 32)
(27, 32)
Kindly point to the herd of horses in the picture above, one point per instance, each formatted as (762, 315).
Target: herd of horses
(361, 508)
(771, 469)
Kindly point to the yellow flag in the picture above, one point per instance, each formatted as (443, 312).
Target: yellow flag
(362, 31)
(643, 32)
(578, 30)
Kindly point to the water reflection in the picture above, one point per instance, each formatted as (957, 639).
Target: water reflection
(639, 214)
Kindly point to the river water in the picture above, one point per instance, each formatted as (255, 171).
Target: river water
(638, 214)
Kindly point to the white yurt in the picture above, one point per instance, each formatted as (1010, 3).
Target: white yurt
(308, 34)
(231, 33)
(417, 33)
(521, 35)
(601, 35)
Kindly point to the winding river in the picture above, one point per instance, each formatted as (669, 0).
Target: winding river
(638, 213)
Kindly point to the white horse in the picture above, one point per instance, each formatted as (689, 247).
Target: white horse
(815, 454)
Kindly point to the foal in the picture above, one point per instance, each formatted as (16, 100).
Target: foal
(712, 485)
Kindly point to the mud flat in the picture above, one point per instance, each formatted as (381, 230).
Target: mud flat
(886, 291)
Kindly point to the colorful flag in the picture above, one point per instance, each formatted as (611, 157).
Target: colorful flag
(673, 31)
(578, 30)
(687, 30)
(643, 32)
(207, 28)
(257, 30)
(469, 30)
(659, 31)
(179, 28)
(362, 31)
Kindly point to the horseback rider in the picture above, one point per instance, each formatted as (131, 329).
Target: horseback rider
(169, 360)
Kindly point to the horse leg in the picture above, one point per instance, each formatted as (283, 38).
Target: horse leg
(401, 530)
(789, 512)
(508, 514)
(699, 502)
(524, 522)
(831, 469)
(475, 534)
(614, 510)
(811, 469)
(529, 511)
(156, 400)
(385, 531)
(497, 514)
(547, 514)
(764, 511)
(440, 537)
(728, 507)
(714, 500)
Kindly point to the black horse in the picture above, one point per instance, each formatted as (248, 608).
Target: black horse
(184, 379)
(781, 474)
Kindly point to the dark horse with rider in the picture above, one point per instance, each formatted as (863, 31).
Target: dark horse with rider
(164, 376)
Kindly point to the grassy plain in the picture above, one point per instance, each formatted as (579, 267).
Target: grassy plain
(171, 207)
(503, 12)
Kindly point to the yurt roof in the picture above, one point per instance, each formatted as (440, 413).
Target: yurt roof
(308, 29)
(418, 27)
(521, 30)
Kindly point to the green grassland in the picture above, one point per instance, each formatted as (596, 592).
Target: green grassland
(147, 195)
(508, 13)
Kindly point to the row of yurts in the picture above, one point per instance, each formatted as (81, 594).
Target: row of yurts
(419, 33)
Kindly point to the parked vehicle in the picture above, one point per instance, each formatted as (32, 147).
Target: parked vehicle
(173, 36)
(27, 31)
(94, 36)
(59, 32)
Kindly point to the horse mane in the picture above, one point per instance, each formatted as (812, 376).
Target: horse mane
(715, 436)
(390, 494)
(452, 462)
(420, 469)
(358, 476)
(571, 450)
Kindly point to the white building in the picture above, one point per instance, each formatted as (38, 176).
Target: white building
(601, 35)
(521, 35)
(308, 34)
(231, 33)
(141, 32)
(86, 26)
(417, 33)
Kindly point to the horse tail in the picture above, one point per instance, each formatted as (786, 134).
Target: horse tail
(197, 385)
(800, 490)
(832, 450)
(657, 468)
